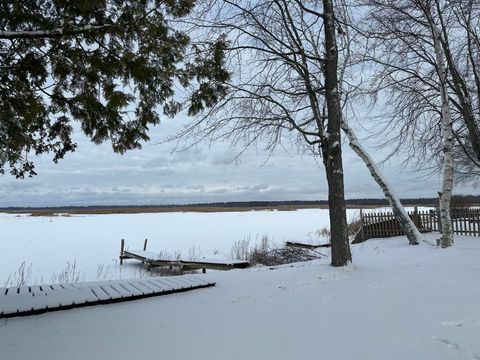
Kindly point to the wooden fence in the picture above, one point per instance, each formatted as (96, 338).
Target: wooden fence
(465, 221)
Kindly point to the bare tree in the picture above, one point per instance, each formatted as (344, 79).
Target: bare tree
(283, 56)
(411, 44)
(409, 64)
(291, 82)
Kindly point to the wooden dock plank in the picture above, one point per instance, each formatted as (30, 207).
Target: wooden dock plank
(146, 285)
(12, 290)
(129, 289)
(47, 289)
(180, 282)
(168, 286)
(142, 287)
(24, 291)
(35, 290)
(99, 293)
(158, 286)
(116, 291)
(87, 294)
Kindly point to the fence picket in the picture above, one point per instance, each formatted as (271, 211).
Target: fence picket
(458, 224)
(382, 224)
(390, 223)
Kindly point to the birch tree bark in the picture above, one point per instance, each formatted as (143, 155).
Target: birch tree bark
(411, 37)
(445, 195)
(406, 223)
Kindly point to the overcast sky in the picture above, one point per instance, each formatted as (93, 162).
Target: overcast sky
(94, 175)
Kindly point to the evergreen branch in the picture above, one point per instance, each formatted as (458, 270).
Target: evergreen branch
(53, 33)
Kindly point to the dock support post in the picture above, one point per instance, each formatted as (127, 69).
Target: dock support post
(145, 245)
(204, 271)
(122, 246)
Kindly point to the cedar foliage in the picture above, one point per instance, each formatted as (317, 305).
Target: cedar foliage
(106, 64)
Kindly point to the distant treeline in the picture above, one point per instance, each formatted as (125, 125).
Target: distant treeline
(457, 200)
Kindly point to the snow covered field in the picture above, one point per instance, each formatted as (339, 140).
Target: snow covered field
(395, 302)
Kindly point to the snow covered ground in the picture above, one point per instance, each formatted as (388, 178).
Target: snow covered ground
(395, 302)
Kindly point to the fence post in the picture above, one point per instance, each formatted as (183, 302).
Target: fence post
(416, 220)
(361, 221)
(476, 221)
(439, 221)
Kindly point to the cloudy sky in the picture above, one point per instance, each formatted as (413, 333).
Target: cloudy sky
(94, 175)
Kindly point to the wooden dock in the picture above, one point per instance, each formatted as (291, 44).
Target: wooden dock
(152, 259)
(298, 245)
(31, 300)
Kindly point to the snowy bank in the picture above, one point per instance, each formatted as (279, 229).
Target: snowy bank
(395, 302)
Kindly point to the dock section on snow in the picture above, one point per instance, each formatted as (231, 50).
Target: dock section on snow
(152, 259)
(31, 300)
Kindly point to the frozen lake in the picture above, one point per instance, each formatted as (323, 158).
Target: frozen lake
(51, 246)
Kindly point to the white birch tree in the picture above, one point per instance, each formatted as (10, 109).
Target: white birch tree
(413, 36)
(408, 226)
(446, 114)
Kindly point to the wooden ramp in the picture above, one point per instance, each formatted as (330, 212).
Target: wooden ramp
(31, 300)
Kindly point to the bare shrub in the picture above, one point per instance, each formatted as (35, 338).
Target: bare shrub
(194, 253)
(21, 277)
(68, 275)
(323, 233)
(169, 255)
(354, 225)
(259, 254)
(102, 272)
(109, 272)
(266, 252)
(241, 249)
(282, 255)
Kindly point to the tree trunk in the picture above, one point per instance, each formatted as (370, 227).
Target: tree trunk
(406, 223)
(331, 148)
(445, 195)
(341, 255)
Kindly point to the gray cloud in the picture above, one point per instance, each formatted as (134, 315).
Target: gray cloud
(155, 175)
